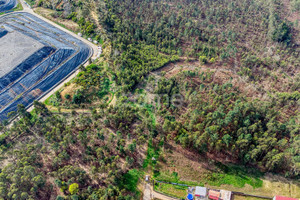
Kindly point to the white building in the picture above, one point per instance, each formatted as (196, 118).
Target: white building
(225, 195)
(200, 192)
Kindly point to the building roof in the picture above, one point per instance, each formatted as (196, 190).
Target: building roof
(284, 198)
(225, 195)
(213, 194)
(200, 191)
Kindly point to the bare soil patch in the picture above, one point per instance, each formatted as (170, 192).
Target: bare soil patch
(69, 24)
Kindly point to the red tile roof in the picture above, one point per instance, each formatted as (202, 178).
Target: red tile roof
(284, 198)
(212, 194)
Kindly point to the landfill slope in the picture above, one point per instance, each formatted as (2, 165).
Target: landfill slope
(54, 60)
(6, 5)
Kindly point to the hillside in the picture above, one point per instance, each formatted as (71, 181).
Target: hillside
(215, 83)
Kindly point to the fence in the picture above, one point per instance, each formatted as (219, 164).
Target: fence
(179, 184)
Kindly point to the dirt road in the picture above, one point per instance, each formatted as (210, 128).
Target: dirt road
(147, 192)
(161, 196)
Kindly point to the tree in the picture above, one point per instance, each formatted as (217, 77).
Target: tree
(282, 33)
(59, 198)
(203, 59)
(227, 139)
(74, 188)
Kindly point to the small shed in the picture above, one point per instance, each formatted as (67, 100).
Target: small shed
(147, 178)
(283, 198)
(214, 194)
(201, 192)
(225, 195)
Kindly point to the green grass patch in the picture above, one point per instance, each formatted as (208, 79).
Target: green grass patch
(149, 108)
(151, 153)
(218, 179)
(174, 178)
(19, 7)
(237, 176)
(171, 190)
(47, 101)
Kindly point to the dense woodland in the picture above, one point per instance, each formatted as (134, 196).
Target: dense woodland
(233, 65)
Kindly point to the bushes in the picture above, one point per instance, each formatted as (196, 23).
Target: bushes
(73, 188)
(282, 33)
(130, 180)
(78, 97)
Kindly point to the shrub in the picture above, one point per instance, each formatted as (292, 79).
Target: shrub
(73, 188)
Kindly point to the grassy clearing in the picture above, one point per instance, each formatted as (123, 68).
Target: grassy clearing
(149, 108)
(235, 176)
(173, 178)
(151, 153)
(218, 179)
(172, 190)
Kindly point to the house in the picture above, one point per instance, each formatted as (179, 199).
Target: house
(200, 192)
(214, 194)
(283, 198)
(225, 195)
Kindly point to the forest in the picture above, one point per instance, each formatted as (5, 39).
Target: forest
(215, 77)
